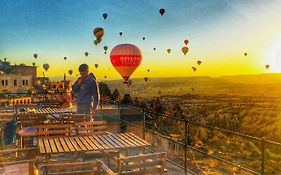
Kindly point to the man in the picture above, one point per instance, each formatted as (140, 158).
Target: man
(86, 89)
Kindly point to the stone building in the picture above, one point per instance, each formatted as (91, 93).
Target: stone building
(15, 83)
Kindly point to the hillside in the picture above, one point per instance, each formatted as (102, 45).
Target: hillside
(247, 85)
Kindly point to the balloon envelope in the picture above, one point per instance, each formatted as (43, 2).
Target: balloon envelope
(186, 42)
(64, 58)
(162, 11)
(184, 50)
(86, 54)
(267, 66)
(120, 33)
(46, 66)
(168, 50)
(199, 62)
(125, 58)
(145, 79)
(104, 15)
(70, 72)
(35, 55)
(98, 32)
(96, 65)
(194, 69)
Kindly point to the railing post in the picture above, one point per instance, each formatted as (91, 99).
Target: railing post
(262, 156)
(119, 117)
(14, 101)
(144, 128)
(185, 146)
(153, 129)
(101, 109)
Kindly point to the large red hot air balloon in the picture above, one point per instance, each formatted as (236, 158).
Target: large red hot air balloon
(125, 58)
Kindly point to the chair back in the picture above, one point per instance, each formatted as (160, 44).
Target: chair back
(153, 163)
(91, 127)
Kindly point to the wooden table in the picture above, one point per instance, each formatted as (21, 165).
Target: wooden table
(90, 143)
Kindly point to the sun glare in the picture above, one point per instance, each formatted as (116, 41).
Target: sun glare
(273, 57)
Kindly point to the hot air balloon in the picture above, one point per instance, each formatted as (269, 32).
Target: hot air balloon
(154, 48)
(125, 58)
(245, 54)
(199, 62)
(184, 50)
(96, 65)
(148, 70)
(46, 66)
(86, 54)
(162, 11)
(98, 32)
(186, 42)
(105, 77)
(143, 38)
(104, 15)
(35, 55)
(33, 64)
(145, 79)
(105, 48)
(267, 66)
(169, 50)
(120, 33)
(64, 58)
(194, 69)
(70, 72)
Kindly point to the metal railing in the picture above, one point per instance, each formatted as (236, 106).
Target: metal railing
(149, 127)
(187, 134)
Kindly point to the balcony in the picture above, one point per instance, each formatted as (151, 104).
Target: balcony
(190, 147)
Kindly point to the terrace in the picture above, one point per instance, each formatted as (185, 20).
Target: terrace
(118, 133)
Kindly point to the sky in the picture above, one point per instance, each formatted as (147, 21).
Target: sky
(220, 32)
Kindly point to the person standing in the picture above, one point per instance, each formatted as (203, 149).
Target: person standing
(86, 91)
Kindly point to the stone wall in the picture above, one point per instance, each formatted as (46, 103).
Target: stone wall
(15, 83)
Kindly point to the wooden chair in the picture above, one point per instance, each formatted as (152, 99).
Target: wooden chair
(17, 161)
(153, 163)
(78, 168)
(91, 127)
(31, 119)
(73, 118)
(54, 130)
(96, 128)
(27, 120)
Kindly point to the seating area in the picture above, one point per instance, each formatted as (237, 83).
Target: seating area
(74, 144)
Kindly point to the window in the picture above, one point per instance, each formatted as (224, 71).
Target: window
(15, 82)
(61, 86)
(26, 82)
(23, 82)
(6, 82)
(3, 82)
